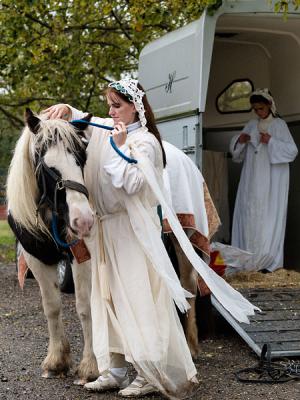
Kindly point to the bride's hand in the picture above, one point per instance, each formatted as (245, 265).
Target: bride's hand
(58, 111)
(119, 134)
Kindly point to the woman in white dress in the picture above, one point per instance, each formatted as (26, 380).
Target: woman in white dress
(134, 286)
(266, 148)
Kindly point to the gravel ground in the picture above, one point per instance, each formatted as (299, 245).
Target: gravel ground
(23, 345)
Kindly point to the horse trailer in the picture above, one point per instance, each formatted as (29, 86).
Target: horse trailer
(198, 79)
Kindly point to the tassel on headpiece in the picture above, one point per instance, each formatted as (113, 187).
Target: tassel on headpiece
(128, 87)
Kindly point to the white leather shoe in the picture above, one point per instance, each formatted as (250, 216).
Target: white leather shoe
(138, 387)
(107, 381)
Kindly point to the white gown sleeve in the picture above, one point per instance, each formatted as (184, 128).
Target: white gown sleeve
(238, 150)
(76, 114)
(282, 149)
(127, 175)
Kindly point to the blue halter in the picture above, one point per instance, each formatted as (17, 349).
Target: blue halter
(113, 144)
(56, 235)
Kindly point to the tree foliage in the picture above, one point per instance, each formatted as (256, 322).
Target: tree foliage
(286, 5)
(64, 50)
(67, 50)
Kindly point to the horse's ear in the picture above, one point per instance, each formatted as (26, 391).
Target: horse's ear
(81, 125)
(32, 121)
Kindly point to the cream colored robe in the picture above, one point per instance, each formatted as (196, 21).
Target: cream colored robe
(139, 319)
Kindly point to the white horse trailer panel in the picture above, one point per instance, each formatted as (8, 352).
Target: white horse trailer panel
(186, 72)
(184, 133)
(172, 71)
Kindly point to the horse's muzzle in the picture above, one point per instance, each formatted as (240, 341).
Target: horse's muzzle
(81, 221)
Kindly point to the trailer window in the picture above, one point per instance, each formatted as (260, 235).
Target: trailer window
(235, 97)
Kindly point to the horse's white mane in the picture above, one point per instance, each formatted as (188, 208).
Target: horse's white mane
(21, 187)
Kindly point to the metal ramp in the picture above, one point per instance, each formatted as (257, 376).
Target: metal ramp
(278, 324)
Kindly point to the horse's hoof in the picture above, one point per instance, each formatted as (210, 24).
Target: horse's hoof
(195, 354)
(53, 375)
(80, 382)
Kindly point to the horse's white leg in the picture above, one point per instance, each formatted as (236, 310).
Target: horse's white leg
(188, 279)
(58, 360)
(87, 369)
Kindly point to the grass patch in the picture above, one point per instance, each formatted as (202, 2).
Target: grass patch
(7, 243)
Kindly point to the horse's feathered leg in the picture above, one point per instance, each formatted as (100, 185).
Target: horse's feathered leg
(188, 279)
(87, 369)
(58, 360)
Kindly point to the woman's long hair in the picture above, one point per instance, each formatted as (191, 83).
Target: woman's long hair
(151, 124)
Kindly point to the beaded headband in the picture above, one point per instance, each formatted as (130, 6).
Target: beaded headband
(266, 95)
(128, 87)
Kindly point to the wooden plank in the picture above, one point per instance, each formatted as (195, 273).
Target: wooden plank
(278, 324)
(3, 212)
(277, 315)
(273, 306)
(280, 296)
(278, 327)
(271, 296)
(277, 346)
(268, 337)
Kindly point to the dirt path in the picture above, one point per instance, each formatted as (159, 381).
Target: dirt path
(23, 345)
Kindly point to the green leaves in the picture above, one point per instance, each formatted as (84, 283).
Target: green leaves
(67, 51)
(285, 6)
(58, 50)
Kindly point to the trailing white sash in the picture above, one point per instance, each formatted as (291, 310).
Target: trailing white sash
(239, 307)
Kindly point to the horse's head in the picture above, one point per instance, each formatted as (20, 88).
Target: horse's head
(58, 151)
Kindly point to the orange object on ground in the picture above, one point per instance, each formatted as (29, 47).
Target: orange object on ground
(218, 265)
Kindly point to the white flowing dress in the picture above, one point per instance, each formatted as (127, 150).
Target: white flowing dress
(261, 203)
(139, 318)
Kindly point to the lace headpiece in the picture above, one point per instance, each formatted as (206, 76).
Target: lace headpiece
(265, 94)
(128, 87)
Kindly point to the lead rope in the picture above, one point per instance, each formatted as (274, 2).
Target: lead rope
(111, 140)
(104, 281)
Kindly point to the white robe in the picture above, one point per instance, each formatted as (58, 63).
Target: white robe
(189, 198)
(259, 218)
(140, 319)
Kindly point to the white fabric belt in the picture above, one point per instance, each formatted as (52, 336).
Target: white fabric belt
(105, 217)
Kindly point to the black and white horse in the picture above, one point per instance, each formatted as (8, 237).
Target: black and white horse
(47, 197)
(45, 181)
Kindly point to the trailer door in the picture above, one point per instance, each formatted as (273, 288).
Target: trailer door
(174, 71)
